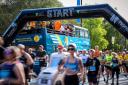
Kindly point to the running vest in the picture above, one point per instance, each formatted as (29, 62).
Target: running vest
(72, 66)
(6, 71)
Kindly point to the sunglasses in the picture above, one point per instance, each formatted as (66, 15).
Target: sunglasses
(72, 49)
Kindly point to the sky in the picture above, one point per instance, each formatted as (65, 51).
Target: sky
(121, 5)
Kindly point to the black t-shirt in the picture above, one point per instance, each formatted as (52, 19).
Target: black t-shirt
(92, 65)
(1, 54)
(33, 55)
(41, 53)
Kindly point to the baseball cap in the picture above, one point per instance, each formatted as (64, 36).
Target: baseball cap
(41, 46)
(59, 46)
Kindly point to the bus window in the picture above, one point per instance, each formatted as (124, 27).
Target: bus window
(86, 34)
(77, 33)
(82, 33)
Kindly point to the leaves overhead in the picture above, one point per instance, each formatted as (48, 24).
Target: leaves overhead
(10, 9)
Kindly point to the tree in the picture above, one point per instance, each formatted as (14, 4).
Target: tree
(10, 9)
(120, 41)
(97, 32)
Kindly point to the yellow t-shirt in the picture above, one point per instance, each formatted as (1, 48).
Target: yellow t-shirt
(120, 57)
(126, 57)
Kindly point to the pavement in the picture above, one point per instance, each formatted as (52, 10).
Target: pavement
(123, 80)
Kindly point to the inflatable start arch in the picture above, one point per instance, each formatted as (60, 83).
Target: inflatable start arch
(44, 14)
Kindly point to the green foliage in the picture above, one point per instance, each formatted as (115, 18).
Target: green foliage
(97, 32)
(120, 42)
(11, 9)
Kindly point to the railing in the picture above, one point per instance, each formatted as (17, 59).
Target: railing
(60, 32)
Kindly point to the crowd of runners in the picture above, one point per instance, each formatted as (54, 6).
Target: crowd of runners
(17, 64)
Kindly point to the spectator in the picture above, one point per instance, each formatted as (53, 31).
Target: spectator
(51, 25)
(62, 29)
(41, 53)
(12, 70)
(43, 24)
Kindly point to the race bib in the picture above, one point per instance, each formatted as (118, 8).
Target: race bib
(84, 60)
(92, 68)
(72, 67)
(37, 63)
(114, 64)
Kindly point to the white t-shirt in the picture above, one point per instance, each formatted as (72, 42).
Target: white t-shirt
(62, 29)
(84, 57)
(55, 58)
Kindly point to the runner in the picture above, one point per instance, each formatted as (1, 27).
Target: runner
(92, 65)
(115, 68)
(58, 55)
(109, 57)
(33, 54)
(102, 58)
(26, 60)
(84, 56)
(97, 52)
(71, 65)
(12, 71)
(124, 62)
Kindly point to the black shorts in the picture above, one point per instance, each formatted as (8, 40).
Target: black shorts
(92, 78)
(71, 80)
(108, 67)
(84, 64)
(102, 68)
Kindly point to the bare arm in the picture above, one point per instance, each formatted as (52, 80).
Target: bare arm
(61, 63)
(29, 59)
(82, 71)
(81, 66)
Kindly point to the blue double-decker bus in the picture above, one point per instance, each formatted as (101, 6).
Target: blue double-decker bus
(50, 38)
